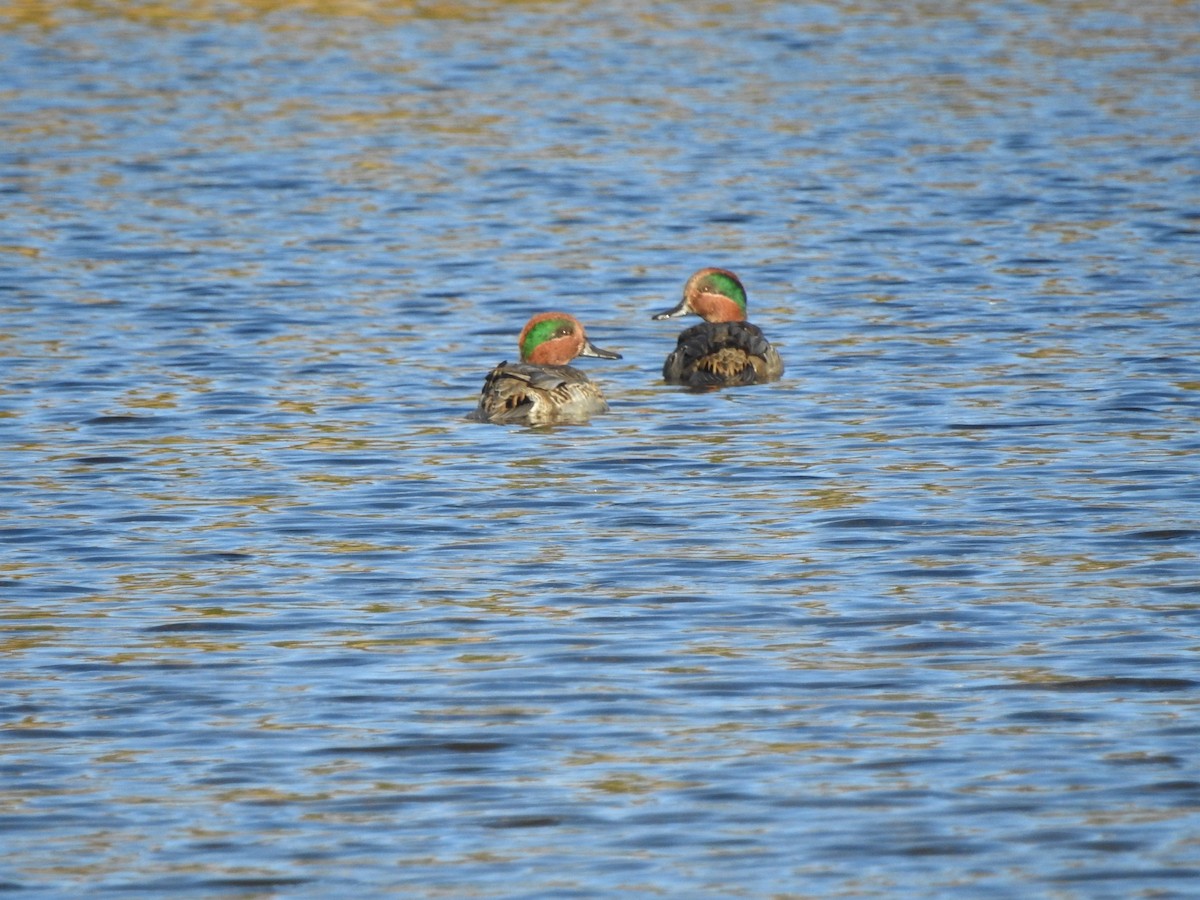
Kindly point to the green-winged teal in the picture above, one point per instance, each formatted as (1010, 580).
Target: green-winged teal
(542, 389)
(724, 349)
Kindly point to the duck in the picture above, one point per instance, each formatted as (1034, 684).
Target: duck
(724, 349)
(542, 389)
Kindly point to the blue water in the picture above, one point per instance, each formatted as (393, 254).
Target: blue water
(918, 620)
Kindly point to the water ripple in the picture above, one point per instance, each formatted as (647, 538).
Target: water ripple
(278, 619)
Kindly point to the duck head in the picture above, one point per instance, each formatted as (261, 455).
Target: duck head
(556, 338)
(715, 295)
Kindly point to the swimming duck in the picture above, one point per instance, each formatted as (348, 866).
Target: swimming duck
(542, 389)
(724, 349)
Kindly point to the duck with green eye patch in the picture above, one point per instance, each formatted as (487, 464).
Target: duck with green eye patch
(542, 389)
(724, 349)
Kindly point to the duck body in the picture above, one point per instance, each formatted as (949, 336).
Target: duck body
(524, 394)
(542, 389)
(716, 354)
(725, 349)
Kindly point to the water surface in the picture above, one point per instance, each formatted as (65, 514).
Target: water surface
(918, 620)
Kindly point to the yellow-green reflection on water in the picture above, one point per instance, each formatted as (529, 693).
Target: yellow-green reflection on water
(178, 14)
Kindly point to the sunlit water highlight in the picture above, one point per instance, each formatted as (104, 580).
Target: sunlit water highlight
(919, 619)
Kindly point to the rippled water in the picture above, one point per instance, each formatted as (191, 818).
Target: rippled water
(918, 620)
